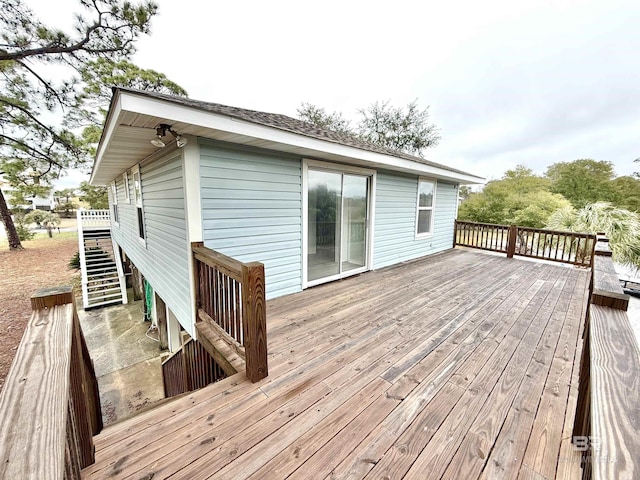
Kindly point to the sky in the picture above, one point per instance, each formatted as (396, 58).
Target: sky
(507, 82)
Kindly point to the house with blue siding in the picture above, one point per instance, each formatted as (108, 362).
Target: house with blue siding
(312, 205)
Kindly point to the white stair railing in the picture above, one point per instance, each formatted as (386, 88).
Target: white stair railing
(94, 218)
(97, 220)
(83, 260)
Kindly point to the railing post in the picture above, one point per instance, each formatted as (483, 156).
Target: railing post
(255, 320)
(511, 241)
(455, 233)
(196, 279)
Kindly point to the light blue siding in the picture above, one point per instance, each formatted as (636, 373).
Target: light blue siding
(395, 219)
(164, 260)
(252, 210)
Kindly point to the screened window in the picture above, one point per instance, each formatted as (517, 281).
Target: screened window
(114, 197)
(426, 194)
(137, 194)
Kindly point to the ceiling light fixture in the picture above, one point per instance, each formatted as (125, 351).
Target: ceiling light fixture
(181, 141)
(161, 131)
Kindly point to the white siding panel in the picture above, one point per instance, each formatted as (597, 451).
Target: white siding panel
(395, 222)
(164, 259)
(252, 210)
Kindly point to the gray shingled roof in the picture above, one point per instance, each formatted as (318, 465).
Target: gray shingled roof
(288, 124)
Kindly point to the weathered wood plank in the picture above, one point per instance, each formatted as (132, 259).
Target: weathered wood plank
(225, 356)
(50, 297)
(33, 445)
(453, 333)
(215, 331)
(615, 390)
(254, 322)
(607, 291)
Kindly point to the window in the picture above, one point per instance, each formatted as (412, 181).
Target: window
(424, 218)
(137, 194)
(114, 197)
(127, 194)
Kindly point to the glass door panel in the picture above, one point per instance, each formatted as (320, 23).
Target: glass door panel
(324, 224)
(354, 218)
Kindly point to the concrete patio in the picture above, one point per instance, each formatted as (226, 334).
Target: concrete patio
(127, 362)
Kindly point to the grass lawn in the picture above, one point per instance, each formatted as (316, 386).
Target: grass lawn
(42, 263)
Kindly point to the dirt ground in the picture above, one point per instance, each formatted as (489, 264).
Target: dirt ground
(43, 263)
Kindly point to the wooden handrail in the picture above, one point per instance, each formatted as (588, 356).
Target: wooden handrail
(608, 414)
(552, 245)
(230, 297)
(50, 407)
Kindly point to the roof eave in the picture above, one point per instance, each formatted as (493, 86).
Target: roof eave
(248, 132)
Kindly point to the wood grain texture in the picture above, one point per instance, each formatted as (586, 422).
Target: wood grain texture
(615, 390)
(431, 369)
(255, 321)
(34, 404)
(607, 291)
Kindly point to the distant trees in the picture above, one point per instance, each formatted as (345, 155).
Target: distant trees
(96, 197)
(582, 181)
(320, 118)
(44, 219)
(519, 198)
(403, 129)
(32, 148)
(523, 198)
(621, 226)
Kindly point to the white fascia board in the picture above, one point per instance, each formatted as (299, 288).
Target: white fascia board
(110, 126)
(190, 115)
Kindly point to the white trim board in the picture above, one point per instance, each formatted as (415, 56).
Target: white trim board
(212, 125)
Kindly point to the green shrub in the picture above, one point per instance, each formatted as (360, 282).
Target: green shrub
(22, 228)
(74, 263)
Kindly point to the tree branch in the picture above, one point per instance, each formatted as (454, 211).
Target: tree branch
(43, 156)
(57, 137)
(46, 84)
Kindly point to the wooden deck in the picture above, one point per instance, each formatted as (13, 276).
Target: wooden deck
(458, 365)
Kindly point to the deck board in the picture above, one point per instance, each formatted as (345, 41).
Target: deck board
(458, 365)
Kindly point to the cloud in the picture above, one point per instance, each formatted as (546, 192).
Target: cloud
(508, 82)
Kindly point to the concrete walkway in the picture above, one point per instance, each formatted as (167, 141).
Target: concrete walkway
(126, 361)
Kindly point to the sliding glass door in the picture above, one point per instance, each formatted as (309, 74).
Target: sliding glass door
(337, 206)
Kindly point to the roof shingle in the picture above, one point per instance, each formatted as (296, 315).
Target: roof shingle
(289, 124)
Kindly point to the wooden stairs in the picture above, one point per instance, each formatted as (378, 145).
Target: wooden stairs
(102, 273)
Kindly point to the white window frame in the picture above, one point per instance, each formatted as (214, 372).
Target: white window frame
(432, 208)
(127, 193)
(138, 200)
(114, 198)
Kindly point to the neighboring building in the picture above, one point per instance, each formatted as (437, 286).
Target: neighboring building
(34, 203)
(312, 205)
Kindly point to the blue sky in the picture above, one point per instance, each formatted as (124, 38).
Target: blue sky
(507, 82)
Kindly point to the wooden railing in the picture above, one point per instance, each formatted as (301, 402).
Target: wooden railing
(608, 413)
(189, 368)
(230, 297)
(556, 246)
(93, 218)
(50, 406)
(485, 236)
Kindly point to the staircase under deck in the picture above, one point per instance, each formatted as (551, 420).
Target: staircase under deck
(100, 264)
(458, 365)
